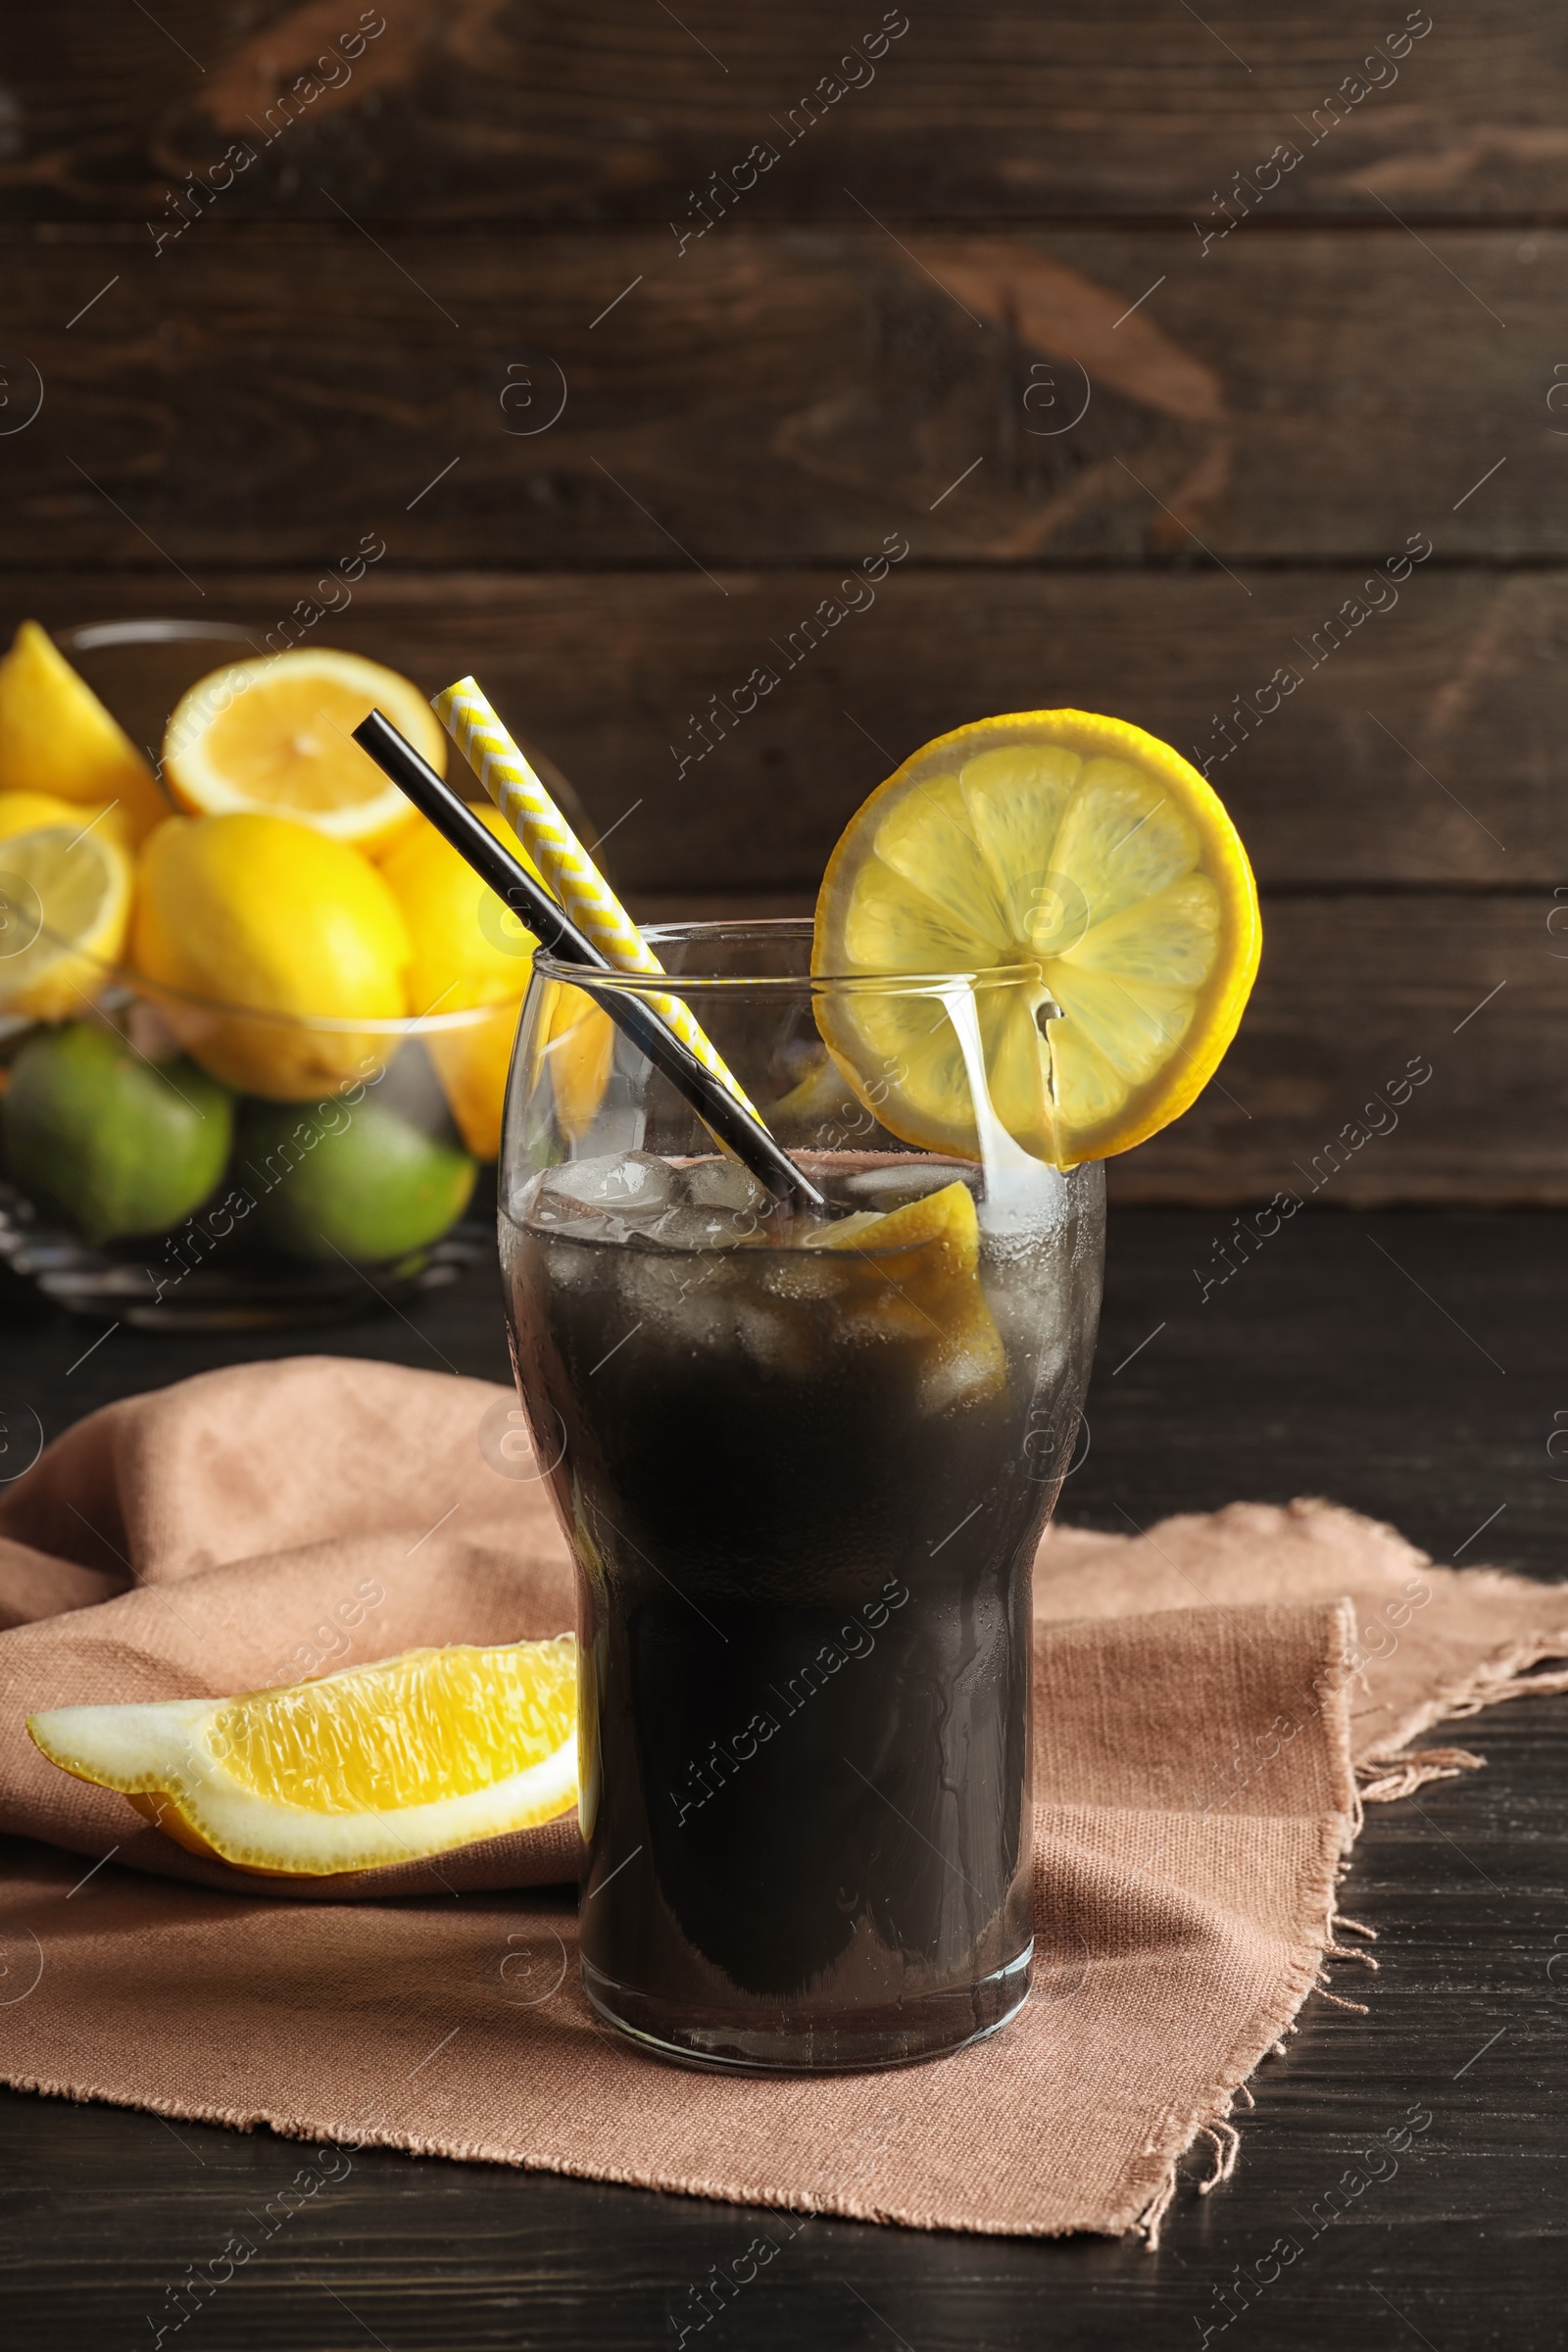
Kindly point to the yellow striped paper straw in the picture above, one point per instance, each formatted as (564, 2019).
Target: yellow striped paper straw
(562, 860)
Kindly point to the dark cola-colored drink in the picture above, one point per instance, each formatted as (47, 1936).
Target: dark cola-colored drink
(804, 1486)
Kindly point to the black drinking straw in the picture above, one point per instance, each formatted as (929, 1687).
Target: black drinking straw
(733, 1125)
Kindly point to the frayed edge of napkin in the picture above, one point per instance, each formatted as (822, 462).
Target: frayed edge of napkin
(1208, 2117)
(1390, 1770)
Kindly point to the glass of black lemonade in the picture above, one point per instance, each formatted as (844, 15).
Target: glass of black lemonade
(802, 1464)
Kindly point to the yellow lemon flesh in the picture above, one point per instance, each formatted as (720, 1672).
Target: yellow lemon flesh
(56, 737)
(376, 1764)
(260, 912)
(922, 1265)
(1094, 861)
(276, 735)
(65, 901)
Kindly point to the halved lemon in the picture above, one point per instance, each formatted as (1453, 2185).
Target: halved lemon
(1093, 866)
(275, 736)
(376, 1764)
(65, 901)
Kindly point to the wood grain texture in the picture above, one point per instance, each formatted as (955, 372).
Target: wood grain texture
(479, 110)
(1425, 749)
(1354, 990)
(780, 396)
(1400, 805)
(1304, 1377)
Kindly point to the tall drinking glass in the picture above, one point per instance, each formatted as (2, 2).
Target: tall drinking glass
(803, 1466)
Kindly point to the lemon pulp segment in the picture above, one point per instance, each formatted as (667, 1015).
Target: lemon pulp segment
(431, 1724)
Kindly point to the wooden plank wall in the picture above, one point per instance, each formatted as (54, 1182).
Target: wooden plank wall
(1157, 344)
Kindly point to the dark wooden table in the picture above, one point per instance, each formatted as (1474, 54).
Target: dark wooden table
(1407, 1364)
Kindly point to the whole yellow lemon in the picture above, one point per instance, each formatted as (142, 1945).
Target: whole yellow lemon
(465, 947)
(275, 927)
(468, 950)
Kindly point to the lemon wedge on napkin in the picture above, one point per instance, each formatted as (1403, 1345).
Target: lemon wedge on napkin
(376, 1764)
(1096, 868)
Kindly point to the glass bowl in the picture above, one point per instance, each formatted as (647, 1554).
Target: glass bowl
(170, 1162)
(173, 1161)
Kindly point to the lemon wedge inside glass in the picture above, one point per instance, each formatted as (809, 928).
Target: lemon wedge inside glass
(376, 1764)
(922, 1282)
(1092, 871)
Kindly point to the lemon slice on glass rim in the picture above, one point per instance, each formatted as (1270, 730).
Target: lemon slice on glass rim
(1092, 870)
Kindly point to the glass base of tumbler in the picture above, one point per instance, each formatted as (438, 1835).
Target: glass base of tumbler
(784, 2041)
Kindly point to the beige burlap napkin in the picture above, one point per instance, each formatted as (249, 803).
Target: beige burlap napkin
(1207, 1696)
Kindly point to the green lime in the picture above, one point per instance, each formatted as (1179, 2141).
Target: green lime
(111, 1142)
(364, 1182)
